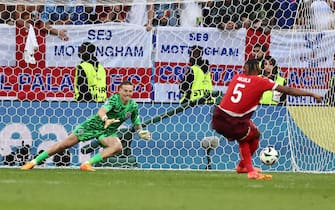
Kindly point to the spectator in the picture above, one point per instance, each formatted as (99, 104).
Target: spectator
(198, 81)
(120, 13)
(250, 12)
(55, 15)
(30, 14)
(116, 13)
(259, 51)
(315, 14)
(166, 14)
(81, 14)
(206, 10)
(270, 70)
(191, 15)
(90, 79)
(7, 14)
(224, 15)
(302, 20)
(322, 15)
(70, 13)
(258, 13)
(286, 11)
(141, 14)
(104, 14)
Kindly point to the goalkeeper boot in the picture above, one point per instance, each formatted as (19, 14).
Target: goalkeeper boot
(258, 176)
(28, 166)
(240, 169)
(86, 167)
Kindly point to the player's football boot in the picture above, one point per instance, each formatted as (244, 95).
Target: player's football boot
(241, 170)
(258, 176)
(86, 167)
(28, 166)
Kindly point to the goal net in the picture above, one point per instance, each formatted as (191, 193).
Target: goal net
(154, 44)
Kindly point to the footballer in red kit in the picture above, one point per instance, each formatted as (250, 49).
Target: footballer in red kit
(244, 93)
(232, 118)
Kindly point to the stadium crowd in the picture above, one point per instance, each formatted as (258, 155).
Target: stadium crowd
(227, 14)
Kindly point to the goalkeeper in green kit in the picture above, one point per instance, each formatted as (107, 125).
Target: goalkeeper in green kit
(102, 126)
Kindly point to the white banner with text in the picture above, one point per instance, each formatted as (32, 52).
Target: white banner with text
(116, 45)
(219, 47)
(303, 49)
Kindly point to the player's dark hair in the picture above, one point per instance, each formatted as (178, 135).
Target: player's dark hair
(125, 82)
(86, 52)
(196, 47)
(251, 67)
(87, 47)
(196, 53)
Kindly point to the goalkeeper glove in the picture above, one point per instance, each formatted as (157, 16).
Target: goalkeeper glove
(108, 122)
(143, 134)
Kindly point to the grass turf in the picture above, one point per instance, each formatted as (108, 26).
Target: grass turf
(62, 189)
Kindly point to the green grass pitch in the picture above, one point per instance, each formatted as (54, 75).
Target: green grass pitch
(71, 189)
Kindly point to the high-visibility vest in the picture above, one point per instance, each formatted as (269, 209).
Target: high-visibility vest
(272, 97)
(201, 85)
(96, 81)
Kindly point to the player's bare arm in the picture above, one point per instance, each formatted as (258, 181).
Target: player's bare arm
(298, 92)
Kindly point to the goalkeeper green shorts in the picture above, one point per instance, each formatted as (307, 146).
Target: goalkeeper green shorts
(92, 128)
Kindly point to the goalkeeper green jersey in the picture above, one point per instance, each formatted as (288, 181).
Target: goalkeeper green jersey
(93, 127)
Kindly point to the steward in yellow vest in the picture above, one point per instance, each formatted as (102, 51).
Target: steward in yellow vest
(270, 70)
(90, 77)
(198, 80)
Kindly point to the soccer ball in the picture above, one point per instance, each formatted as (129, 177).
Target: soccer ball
(269, 155)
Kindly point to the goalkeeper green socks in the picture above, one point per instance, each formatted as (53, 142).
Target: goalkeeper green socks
(95, 159)
(44, 155)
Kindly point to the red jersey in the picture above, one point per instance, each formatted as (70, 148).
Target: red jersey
(243, 94)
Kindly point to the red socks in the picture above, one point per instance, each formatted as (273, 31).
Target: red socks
(245, 155)
(247, 149)
(253, 146)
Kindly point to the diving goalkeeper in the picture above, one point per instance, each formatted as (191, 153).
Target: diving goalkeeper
(102, 126)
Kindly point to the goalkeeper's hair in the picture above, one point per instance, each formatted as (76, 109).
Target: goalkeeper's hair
(125, 82)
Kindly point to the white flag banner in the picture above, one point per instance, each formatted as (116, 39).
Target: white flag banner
(30, 46)
(220, 47)
(7, 45)
(303, 49)
(116, 45)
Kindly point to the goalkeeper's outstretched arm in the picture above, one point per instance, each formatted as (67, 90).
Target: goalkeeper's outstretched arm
(102, 113)
(143, 134)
